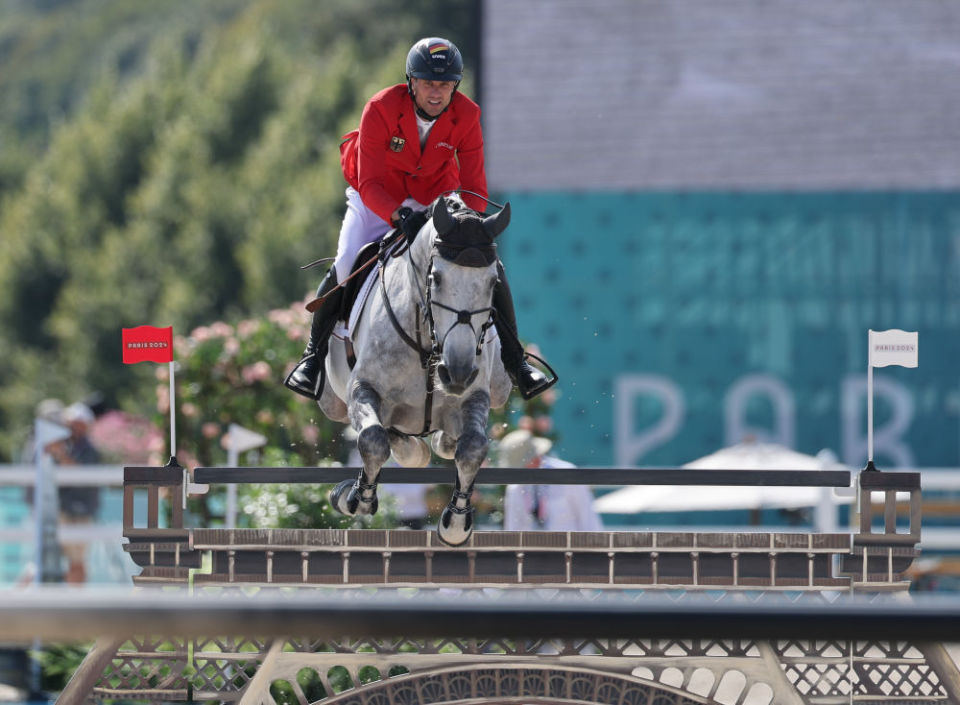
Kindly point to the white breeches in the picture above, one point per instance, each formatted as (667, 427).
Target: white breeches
(360, 226)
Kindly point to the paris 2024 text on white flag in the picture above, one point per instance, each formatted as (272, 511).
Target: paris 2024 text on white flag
(893, 347)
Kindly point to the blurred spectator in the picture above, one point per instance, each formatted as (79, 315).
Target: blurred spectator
(542, 507)
(49, 410)
(78, 505)
(410, 503)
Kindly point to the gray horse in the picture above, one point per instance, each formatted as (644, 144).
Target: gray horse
(427, 362)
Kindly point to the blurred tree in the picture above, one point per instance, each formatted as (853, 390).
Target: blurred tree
(190, 170)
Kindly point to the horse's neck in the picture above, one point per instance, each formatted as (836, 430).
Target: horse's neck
(405, 279)
(416, 261)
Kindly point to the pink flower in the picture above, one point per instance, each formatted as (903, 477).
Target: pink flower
(163, 399)
(310, 433)
(210, 429)
(247, 328)
(162, 372)
(231, 346)
(257, 372)
(221, 329)
(265, 416)
(188, 409)
(156, 444)
(201, 334)
(282, 317)
(549, 397)
(525, 423)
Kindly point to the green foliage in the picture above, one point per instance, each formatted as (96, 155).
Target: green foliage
(176, 162)
(58, 663)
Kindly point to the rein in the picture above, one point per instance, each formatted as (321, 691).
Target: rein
(427, 357)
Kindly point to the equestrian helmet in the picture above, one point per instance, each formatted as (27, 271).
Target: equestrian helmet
(435, 59)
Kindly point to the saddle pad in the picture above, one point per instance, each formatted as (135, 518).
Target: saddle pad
(343, 331)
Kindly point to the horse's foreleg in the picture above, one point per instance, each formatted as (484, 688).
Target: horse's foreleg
(456, 521)
(359, 496)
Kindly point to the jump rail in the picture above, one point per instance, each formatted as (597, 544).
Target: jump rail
(54, 614)
(526, 476)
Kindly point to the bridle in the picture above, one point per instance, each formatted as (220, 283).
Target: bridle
(425, 322)
(464, 317)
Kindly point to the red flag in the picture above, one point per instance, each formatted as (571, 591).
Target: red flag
(147, 344)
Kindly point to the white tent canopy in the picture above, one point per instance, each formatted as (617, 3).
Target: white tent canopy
(743, 456)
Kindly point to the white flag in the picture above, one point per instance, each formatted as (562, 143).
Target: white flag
(242, 439)
(893, 347)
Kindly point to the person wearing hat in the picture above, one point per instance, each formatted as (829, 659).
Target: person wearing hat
(542, 507)
(78, 505)
(417, 140)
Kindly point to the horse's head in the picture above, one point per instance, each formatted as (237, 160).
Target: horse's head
(461, 275)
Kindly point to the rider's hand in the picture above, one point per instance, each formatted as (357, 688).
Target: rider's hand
(410, 222)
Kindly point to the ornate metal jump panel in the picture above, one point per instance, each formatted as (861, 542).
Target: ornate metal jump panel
(539, 670)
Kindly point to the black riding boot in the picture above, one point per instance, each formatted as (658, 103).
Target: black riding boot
(528, 379)
(307, 376)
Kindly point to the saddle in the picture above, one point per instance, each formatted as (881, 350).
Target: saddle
(356, 289)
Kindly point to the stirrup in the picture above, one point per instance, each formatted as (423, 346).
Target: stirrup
(308, 392)
(541, 388)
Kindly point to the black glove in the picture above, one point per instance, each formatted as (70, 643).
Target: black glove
(411, 221)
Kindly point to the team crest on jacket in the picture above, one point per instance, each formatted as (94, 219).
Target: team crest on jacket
(397, 143)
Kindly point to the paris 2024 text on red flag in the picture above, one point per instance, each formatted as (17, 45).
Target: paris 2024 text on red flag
(147, 344)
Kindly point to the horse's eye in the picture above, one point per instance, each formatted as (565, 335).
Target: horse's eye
(435, 279)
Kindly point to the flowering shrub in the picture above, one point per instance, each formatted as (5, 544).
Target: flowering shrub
(124, 438)
(234, 374)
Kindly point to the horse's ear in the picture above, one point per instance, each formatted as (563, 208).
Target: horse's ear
(442, 220)
(498, 222)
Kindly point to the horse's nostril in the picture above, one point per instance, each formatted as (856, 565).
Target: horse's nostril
(472, 377)
(443, 373)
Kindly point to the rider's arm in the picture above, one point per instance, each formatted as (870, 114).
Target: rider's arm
(372, 170)
(472, 174)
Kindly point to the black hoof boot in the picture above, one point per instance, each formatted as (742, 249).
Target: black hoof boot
(347, 498)
(456, 525)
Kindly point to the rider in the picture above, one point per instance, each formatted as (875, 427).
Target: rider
(416, 141)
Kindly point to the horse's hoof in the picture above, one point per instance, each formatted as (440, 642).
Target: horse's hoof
(444, 445)
(338, 497)
(455, 527)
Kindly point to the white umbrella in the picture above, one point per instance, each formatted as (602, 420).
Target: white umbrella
(743, 456)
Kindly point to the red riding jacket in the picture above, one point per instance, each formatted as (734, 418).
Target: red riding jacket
(383, 160)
